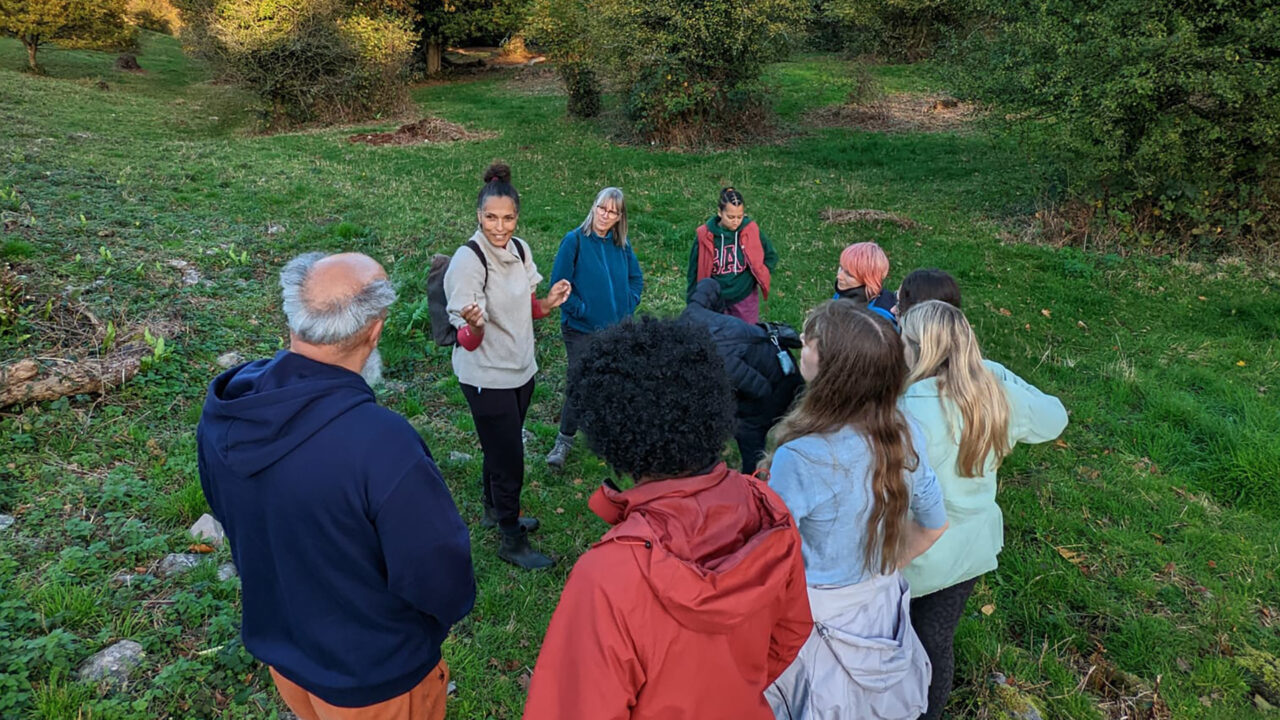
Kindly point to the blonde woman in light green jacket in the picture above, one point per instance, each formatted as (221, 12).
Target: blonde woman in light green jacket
(973, 412)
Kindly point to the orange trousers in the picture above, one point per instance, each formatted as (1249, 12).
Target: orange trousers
(424, 702)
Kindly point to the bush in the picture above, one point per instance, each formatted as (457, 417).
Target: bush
(563, 30)
(155, 15)
(89, 24)
(1163, 117)
(691, 70)
(583, 86)
(312, 60)
(907, 30)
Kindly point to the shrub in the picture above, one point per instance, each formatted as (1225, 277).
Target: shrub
(1163, 117)
(563, 29)
(894, 29)
(155, 15)
(691, 69)
(312, 60)
(583, 86)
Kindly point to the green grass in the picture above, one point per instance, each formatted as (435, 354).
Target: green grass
(1163, 492)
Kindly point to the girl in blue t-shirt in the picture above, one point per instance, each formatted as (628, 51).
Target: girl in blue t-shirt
(852, 470)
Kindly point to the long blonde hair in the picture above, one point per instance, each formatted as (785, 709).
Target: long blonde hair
(940, 344)
(861, 373)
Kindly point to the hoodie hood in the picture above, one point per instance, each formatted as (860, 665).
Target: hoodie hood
(258, 412)
(707, 294)
(714, 548)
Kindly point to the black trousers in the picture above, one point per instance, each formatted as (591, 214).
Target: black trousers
(935, 617)
(499, 417)
(575, 347)
(757, 417)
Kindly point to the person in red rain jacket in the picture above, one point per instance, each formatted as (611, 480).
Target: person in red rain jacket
(695, 600)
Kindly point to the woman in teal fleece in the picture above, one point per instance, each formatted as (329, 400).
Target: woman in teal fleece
(973, 411)
(596, 257)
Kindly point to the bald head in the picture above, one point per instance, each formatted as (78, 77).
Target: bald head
(332, 300)
(336, 280)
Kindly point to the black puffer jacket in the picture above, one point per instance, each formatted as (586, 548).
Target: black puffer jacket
(752, 361)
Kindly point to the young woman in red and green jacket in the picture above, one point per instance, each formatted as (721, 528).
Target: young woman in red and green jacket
(732, 249)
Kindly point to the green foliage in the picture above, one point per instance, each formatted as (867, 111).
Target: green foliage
(583, 86)
(691, 70)
(563, 29)
(323, 60)
(1164, 117)
(487, 21)
(895, 29)
(155, 15)
(95, 24)
(1167, 427)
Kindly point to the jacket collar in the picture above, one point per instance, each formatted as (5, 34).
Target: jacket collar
(613, 506)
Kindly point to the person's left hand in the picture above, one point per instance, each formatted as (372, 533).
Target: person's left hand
(559, 293)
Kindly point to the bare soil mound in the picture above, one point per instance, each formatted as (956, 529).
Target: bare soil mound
(899, 112)
(426, 130)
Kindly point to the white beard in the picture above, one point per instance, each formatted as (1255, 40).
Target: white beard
(372, 370)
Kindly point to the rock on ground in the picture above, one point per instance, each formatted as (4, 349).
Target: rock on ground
(113, 664)
(128, 579)
(226, 571)
(6, 521)
(459, 457)
(177, 563)
(208, 529)
(228, 360)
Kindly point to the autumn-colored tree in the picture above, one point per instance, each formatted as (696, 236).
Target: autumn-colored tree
(84, 23)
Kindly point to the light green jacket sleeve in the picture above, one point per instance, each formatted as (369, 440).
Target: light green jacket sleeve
(1034, 417)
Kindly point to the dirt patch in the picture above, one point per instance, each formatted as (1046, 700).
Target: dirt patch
(899, 112)
(536, 80)
(835, 216)
(426, 130)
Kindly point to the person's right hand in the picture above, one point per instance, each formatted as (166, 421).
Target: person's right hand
(474, 317)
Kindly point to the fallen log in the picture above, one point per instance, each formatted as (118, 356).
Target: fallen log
(34, 380)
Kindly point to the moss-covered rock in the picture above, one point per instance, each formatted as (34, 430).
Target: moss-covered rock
(1263, 672)
(1010, 703)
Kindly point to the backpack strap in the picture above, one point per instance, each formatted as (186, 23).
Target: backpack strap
(475, 248)
(519, 248)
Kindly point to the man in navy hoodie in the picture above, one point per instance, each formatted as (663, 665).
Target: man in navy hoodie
(353, 560)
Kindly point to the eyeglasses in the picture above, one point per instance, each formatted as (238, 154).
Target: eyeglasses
(608, 212)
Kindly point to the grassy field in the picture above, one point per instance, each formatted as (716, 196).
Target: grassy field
(1141, 549)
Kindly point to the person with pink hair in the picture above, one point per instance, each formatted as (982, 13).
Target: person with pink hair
(861, 276)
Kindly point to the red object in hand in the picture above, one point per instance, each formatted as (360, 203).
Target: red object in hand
(538, 312)
(469, 339)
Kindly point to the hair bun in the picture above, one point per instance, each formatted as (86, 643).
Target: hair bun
(500, 172)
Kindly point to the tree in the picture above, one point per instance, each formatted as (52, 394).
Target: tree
(692, 69)
(308, 60)
(563, 30)
(441, 22)
(1163, 116)
(86, 23)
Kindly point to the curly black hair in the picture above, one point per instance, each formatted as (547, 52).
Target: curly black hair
(654, 398)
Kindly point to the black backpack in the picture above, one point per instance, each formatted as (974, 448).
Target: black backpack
(442, 331)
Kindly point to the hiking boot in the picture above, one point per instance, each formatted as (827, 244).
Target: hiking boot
(515, 550)
(560, 451)
(490, 520)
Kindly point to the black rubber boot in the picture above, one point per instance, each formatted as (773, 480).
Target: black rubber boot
(490, 520)
(515, 550)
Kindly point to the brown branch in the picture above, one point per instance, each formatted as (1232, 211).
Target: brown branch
(41, 379)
